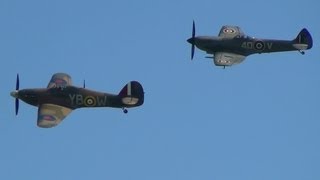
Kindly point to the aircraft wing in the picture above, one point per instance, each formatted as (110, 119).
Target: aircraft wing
(60, 80)
(227, 58)
(230, 32)
(50, 115)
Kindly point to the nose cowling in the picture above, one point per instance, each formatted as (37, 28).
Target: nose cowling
(191, 40)
(14, 94)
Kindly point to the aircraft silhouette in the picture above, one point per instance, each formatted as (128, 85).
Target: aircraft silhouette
(232, 46)
(59, 98)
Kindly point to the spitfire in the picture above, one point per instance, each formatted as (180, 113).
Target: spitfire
(59, 98)
(232, 46)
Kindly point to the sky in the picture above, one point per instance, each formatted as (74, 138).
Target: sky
(255, 120)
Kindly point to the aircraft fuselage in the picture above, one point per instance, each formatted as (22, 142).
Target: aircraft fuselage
(243, 46)
(70, 97)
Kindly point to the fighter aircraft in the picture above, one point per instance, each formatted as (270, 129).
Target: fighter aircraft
(232, 46)
(59, 98)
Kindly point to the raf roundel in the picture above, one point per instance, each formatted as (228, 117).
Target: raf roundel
(259, 45)
(89, 101)
(224, 61)
(229, 31)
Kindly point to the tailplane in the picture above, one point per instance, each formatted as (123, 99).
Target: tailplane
(132, 94)
(303, 41)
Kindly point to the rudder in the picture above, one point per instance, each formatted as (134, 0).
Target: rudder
(132, 94)
(303, 40)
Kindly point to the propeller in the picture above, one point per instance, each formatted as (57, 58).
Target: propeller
(84, 84)
(17, 100)
(191, 40)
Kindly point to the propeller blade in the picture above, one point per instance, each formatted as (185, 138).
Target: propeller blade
(17, 82)
(192, 39)
(17, 100)
(193, 29)
(192, 51)
(84, 83)
(17, 106)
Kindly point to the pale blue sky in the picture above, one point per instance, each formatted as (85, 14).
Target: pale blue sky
(256, 120)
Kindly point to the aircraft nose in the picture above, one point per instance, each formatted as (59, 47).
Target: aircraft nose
(14, 94)
(191, 40)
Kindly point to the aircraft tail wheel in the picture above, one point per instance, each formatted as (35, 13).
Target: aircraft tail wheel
(125, 110)
(302, 52)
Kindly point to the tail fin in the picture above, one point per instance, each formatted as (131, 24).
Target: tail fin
(132, 94)
(304, 40)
